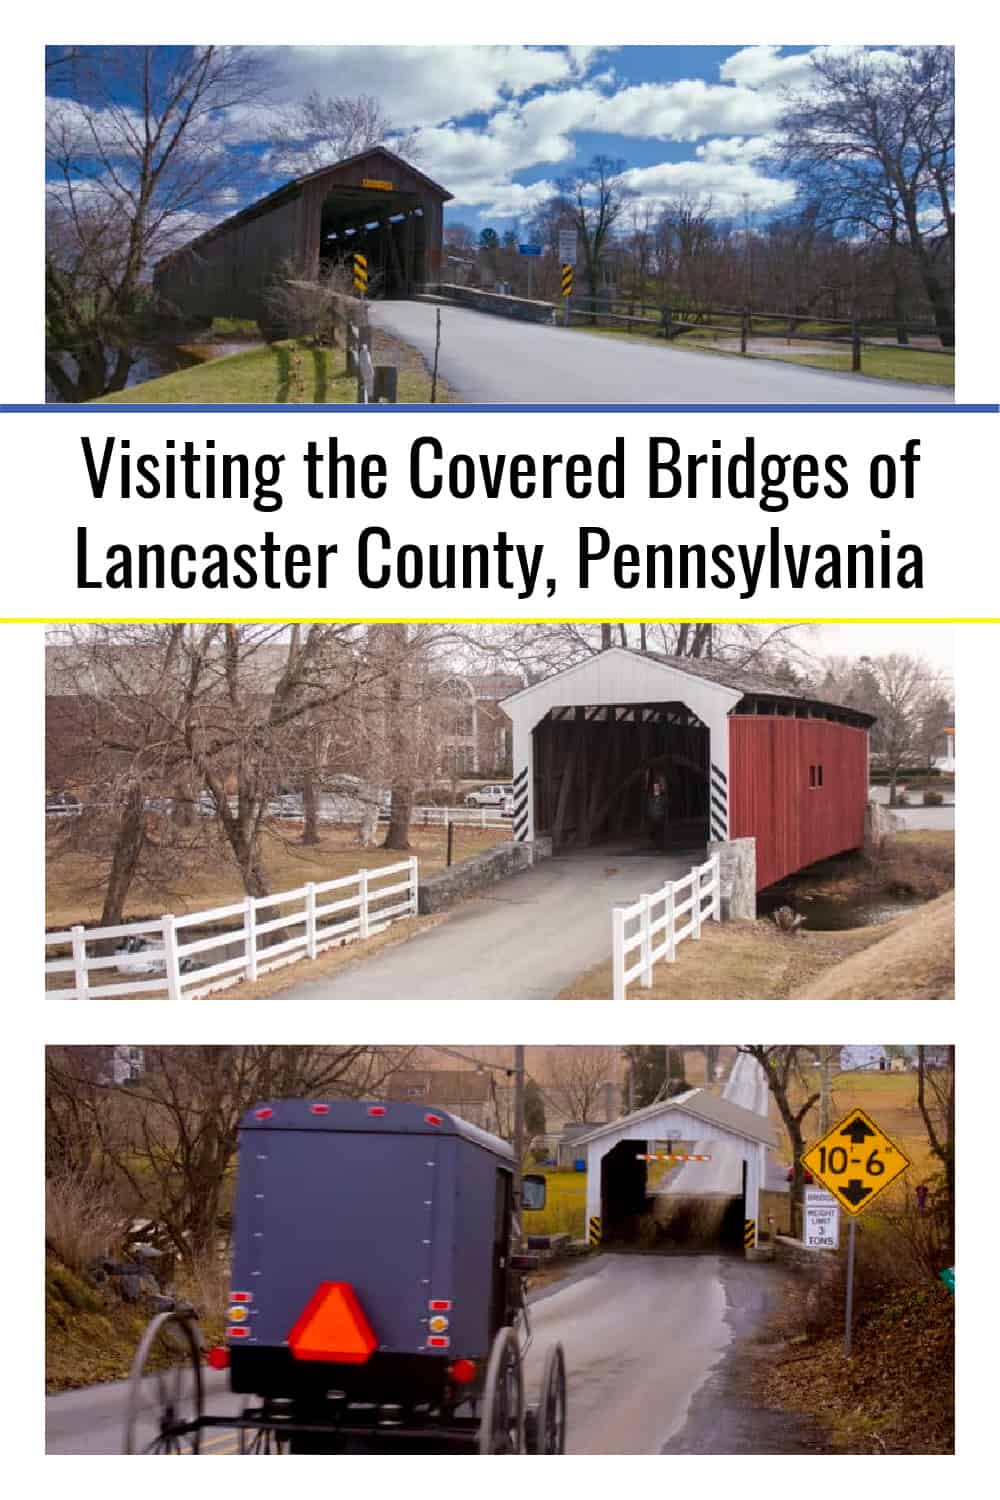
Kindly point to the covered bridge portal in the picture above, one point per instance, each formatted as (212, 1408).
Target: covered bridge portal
(681, 752)
(374, 203)
(617, 1194)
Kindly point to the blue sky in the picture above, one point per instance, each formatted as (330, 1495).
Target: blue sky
(499, 125)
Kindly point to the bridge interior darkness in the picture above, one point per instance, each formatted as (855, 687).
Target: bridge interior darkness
(636, 770)
(636, 1216)
(387, 227)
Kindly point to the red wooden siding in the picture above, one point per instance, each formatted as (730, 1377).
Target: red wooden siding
(771, 799)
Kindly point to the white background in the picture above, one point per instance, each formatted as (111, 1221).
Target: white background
(40, 508)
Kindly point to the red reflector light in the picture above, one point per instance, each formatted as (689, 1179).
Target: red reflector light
(218, 1357)
(319, 1109)
(377, 1111)
(437, 1341)
(439, 1306)
(433, 1120)
(241, 1296)
(462, 1371)
(333, 1327)
(238, 1333)
(263, 1114)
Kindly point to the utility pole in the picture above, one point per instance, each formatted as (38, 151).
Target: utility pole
(825, 1092)
(518, 1141)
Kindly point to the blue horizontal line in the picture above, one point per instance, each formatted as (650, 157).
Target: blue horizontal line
(837, 408)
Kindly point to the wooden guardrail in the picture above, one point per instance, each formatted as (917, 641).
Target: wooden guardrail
(376, 383)
(670, 322)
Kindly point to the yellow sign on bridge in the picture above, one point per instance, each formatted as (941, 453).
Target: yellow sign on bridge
(378, 183)
(855, 1161)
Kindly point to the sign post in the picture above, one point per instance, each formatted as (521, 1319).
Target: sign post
(530, 251)
(855, 1161)
(567, 266)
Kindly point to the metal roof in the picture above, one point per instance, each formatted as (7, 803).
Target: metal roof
(707, 1109)
(294, 186)
(352, 1116)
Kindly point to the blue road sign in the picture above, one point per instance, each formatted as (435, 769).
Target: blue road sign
(529, 249)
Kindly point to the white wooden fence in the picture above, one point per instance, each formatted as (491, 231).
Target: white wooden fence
(463, 817)
(361, 904)
(649, 927)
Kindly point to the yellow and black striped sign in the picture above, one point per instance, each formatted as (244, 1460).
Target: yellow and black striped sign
(360, 274)
(566, 276)
(749, 1233)
(595, 1231)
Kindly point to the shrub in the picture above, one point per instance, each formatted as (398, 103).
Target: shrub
(83, 1221)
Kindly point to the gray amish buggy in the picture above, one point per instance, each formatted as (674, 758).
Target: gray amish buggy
(377, 1294)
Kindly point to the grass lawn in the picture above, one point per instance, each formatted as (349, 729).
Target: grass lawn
(883, 363)
(205, 875)
(290, 371)
(565, 1205)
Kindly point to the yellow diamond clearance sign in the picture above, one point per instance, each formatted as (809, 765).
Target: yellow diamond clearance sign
(855, 1161)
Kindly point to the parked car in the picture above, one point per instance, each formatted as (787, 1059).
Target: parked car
(807, 1176)
(291, 805)
(62, 802)
(493, 795)
(507, 807)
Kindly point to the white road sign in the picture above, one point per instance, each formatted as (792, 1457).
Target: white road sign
(821, 1229)
(567, 247)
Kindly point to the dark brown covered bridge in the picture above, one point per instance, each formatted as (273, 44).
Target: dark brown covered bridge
(374, 203)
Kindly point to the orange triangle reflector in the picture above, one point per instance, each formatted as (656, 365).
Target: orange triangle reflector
(332, 1326)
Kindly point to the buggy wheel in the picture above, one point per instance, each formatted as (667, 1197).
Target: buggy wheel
(164, 1394)
(501, 1416)
(550, 1419)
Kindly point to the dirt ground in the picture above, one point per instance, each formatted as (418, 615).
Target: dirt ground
(912, 958)
(205, 875)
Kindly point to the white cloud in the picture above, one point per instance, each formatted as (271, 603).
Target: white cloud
(724, 182)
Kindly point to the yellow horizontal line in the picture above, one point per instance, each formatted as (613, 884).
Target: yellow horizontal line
(494, 620)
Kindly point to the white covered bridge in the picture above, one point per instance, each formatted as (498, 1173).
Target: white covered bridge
(617, 1158)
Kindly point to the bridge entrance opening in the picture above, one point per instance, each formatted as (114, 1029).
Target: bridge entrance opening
(622, 772)
(657, 1207)
(388, 227)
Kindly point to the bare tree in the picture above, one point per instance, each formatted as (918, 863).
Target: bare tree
(169, 1139)
(575, 1080)
(595, 199)
(322, 129)
(138, 157)
(936, 1103)
(783, 1070)
(874, 136)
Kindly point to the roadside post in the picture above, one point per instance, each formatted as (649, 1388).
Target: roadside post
(361, 275)
(854, 1162)
(530, 251)
(567, 267)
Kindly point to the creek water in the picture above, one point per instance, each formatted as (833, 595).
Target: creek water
(834, 914)
(166, 357)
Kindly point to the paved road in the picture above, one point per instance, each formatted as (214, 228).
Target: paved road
(641, 1334)
(524, 939)
(91, 1420)
(493, 360)
(918, 816)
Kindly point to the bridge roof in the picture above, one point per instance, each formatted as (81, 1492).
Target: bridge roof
(748, 687)
(705, 1108)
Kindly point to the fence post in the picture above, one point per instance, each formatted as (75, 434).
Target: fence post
(645, 917)
(414, 885)
(348, 345)
(482, 817)
(362, 903)
(855, 348)
(250, 939)
(744, 329)
(668, 904)
(80, 962)
(310, 919)
(667, 316)
(696, 901)
(364, 342)
(618, 952)
(170, 960)
(716, 888)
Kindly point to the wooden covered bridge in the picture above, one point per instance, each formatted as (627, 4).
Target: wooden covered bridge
(635, 746)
(374, 203)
